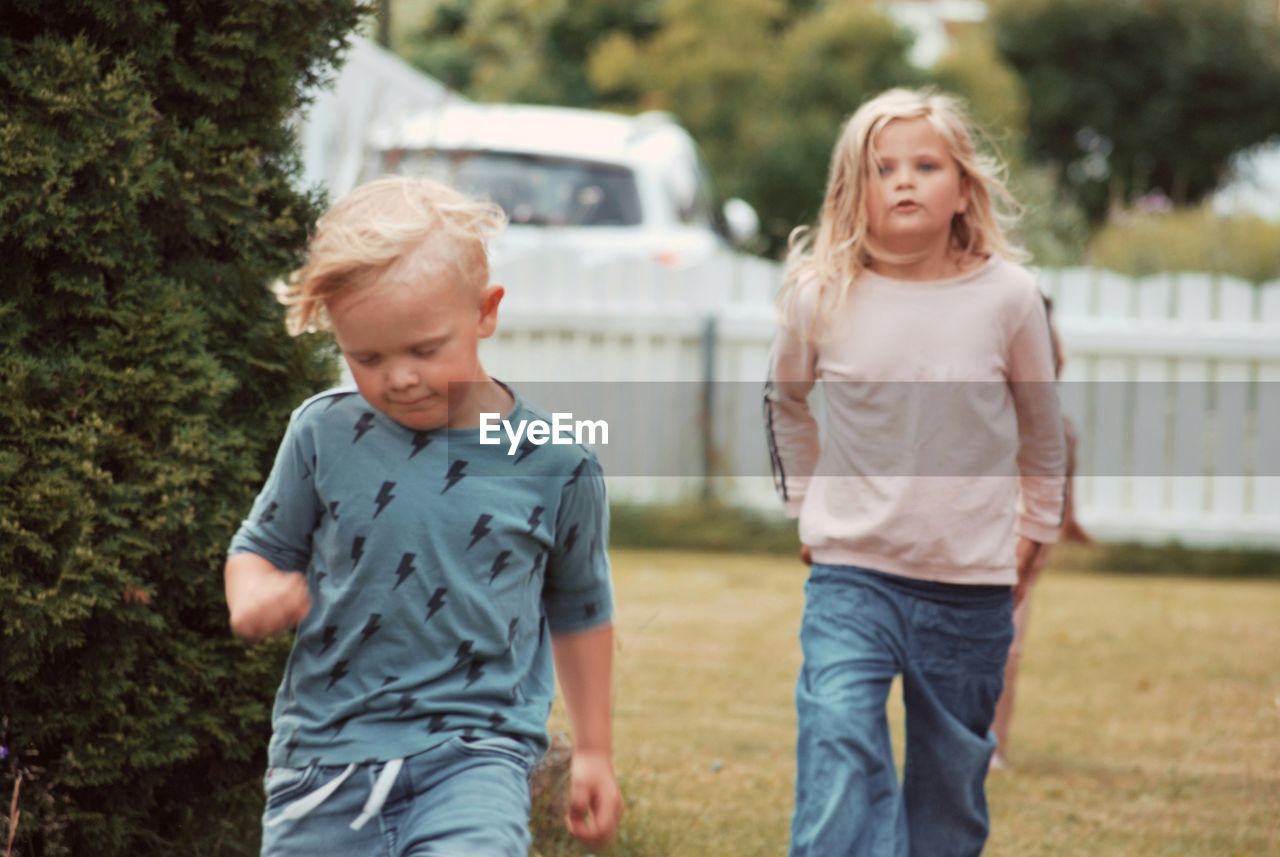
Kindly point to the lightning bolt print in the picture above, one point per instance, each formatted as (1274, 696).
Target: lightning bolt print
(373, 626)
(527, 448)
(384, 497)
(499, 563)
(537, 563)
(577, 472)
(436, 723)
(329, 637)
(496, 720)
(463, 654)
(404, 569)
(457, 472)
(337, 674)
(511, 631)
(363, 425)
(269, 513)
(333, 509)
(391, 679)
(320, 576)
(436, 602)
(338, 397)
(421, 440)
(308, 469)
(357, 549)
(406, 702)
(475, 672)
(535, 518)
(480, 530)
(570, 539)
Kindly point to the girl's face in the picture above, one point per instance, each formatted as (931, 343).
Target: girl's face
(915, 189)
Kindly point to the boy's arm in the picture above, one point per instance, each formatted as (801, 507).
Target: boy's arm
(262, 599)
(265, 586)
(584, 665)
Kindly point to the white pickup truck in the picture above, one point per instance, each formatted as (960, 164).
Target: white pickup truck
(598, 185)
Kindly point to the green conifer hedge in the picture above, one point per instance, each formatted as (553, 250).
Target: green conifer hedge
(147, 196)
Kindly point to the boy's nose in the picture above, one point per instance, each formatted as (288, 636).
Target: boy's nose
(402, 377)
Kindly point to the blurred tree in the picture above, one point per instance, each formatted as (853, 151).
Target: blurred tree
(147, 196)
(1052, 227)
(1141, 243)
(525, 51)
(1132, 97)
(763, 85)
(766, 127)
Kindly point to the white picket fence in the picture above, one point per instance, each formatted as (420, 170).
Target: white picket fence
(1202, 467)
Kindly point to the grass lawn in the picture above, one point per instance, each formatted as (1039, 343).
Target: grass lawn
(1148, 718)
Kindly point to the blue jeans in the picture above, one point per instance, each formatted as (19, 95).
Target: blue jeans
(949, 642)
(459, 799)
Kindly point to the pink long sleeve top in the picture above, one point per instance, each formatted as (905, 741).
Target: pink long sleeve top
(942, 437)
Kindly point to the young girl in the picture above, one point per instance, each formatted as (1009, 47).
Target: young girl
(937, 486)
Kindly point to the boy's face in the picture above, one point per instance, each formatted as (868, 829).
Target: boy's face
(406, 343)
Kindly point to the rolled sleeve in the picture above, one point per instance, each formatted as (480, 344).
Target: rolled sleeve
(577, 594)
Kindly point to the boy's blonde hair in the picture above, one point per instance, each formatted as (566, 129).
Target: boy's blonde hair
(832, 255)
(391, 230)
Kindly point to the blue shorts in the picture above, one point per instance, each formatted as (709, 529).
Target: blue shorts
(949, 643)
(459, 799)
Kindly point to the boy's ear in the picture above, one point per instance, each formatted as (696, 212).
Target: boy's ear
(490, 297)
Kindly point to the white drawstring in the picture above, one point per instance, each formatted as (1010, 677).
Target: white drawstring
(301, 807)
(377, 796)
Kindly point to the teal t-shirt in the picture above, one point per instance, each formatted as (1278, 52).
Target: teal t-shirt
(438, 567)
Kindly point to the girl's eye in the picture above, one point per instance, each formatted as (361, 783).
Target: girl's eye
(928, 167)
(366, 360)
(884, 170)
(423, 352)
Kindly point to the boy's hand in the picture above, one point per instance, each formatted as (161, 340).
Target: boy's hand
(1031, 559)
(595, 804)
(262, 600)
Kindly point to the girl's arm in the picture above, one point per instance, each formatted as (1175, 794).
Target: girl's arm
(790, 428)
(1042, 449)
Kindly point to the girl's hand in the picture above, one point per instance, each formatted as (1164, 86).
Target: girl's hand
(1031, 559)
(806, 556)
(595, 804)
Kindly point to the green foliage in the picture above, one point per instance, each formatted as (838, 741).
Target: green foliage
(531, 51)
(701, 526)
(1140, 244)
(763, 85)
(146, 198)
(1129, 97)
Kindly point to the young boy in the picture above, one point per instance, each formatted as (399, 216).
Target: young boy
(430, 576)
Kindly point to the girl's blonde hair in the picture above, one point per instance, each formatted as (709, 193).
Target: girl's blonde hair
(831, 256)
(391, 230)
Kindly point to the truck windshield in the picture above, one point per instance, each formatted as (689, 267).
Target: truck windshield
(532, 190)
